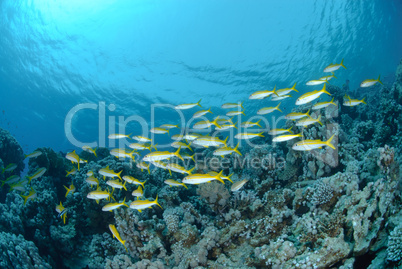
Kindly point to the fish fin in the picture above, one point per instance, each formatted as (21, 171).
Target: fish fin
(118, 174)
(139, 210)
(198, 103)
(328, 142)
(218, 177)
(241, 105)
(236, 149)
(277, 108)
(364, 101)
(342, 64)
(319, 120)
(224, 142)
(274, 91)
(177, 153)
(191, 170)
(228, 177)
(124, 186)
(192, 157)
(142, 183)
(156, 202)
(260, 134)
(258, 124)
(149, 172)
(332, 101)
(184, 185)
(379, 81)
(294, 87)
(290, 130)
(324, 89)
(68, 190)
(170, 172)
(94, 151)
(97, 201)
(243, 113)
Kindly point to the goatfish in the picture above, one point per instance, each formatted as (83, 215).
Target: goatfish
(226, 150)
(9, 168)
(262, 94)
(62, 212)
(143, 204)
(308, 121)
(247, 124)
(279, 131)
(70, 189)
(99, 194)
(138, 192)
(370, 82)
(232, 105)
(161, 155)
(178, 144)
(202, 178)
(213, 173)
(315, 82)
(286, 91)
(188, 106)
(323, 104)
(116, 235)
(133, 180)
(328, 78)
(169, 126)
(121, 153)
(178, 168)
(142, 166)
(112, 206)
(267, 110)
(34, 154)
(89, 149)
(248, 135)
(107, 172)
(278, 98)
(353, 102)
(235, 112)
(158, 130)
(116, 184)
(71, 172)
(205, 124)
(238, 185)
(311, 96)
(74, 158)
(297, 115)
(210, 141)
(10, 180)
(333, 67)
(19, 186)
(119, 136)
(32, 195)
(201, 113)
(283, 138)
(142, 146)
(313, 144)
(37, 174)
(141, 138)
(172, 183)
(92, 181)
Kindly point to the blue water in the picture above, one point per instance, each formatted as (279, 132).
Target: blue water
(55, 55)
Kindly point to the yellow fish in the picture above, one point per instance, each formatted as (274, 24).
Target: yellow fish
(297, 115)
(161, 155)
(178, 168)
(121, 153)
(283, 138)
(119, 136)
(34, 154)
(62, 212)
(280, 131)
(210, 141)
(202, 178)
(234, 113)
(213, 173)
(188, 106)
(158, 130)
(172, 182)
(133, 180)
(262, 94)
(178, 144)
(323, 104)
(247, 124)
(313, 144)
(72, 172)
(201, 113)
(310, 96)
(74, 158)
(169, 126)
(286, 91)
(31, 196)
(143, 204)
(70, 190)
(141, 138)
(107, 172)
(37, 174)
(315, 82)
(206, 124)
(99, 194)
(89, 149)
(112, 206)
(333, 67)
(9, 168)
(267, 110)
(138, 192)
(117, 235)
(353, 102)
(248, 135)
(142, 166)
(92, 181)
(226, 150)
(308, 121)
(116, 184)
(232, 105)
(370, 82)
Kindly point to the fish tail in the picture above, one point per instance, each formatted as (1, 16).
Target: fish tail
(236, 149)
(324, 89)
(192, 157)
(2, 183)
(190, 171)
(364, 101)
(156, 202)
(218, 177)
(215, 122)
(342, 64)
(188, 146)
(234, 125)
(68, 190)
(224, 142)
(241, 105)
(167, 131)
(319, 120)
(332, 101)
(290, 130)
(274, 91)
(124, 185)
(118, 174)
(260, 134)
(170, 172)
(149, 172)
(184, 185)
(155, 146)
(258, 124)
(142, 183)
(209, 110)
(94, 151)
(277, 108)
(25, 197)
(177, 153)
(229, 176)
(307, 113)
(379, 81)
(198, 103)
(243, 113)
(64, 218)
(328, 142)
(294, 87)
(230, 120)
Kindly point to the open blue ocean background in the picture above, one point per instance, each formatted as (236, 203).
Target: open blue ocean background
(55, 55)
